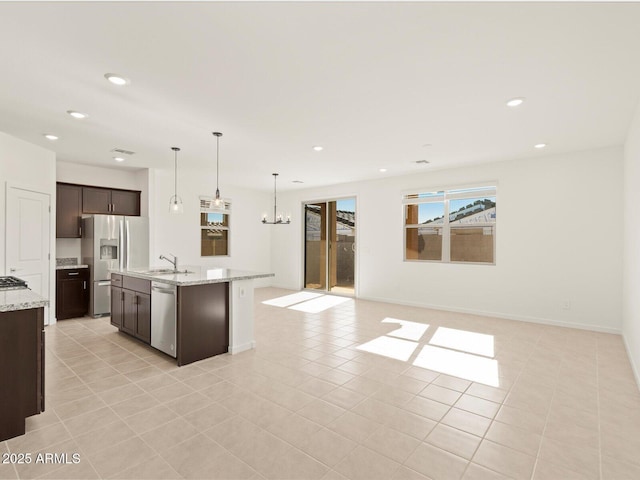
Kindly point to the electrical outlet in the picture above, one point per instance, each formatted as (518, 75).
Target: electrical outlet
(566, 305)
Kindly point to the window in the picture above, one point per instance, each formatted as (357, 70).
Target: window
(214, 228)
(451, 225)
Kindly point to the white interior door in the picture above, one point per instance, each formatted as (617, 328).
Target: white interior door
(27, 238)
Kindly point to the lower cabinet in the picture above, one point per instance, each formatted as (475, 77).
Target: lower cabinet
(22, 376)
(131, 307)
(72, 293)
(117, 306)
(136, 315)
(202, 316)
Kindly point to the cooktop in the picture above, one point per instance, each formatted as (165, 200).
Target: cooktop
(11, 282)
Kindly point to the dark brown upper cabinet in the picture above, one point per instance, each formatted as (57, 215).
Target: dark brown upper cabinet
(110, 201)
(125, 202)
(75, 200)
(68, 211)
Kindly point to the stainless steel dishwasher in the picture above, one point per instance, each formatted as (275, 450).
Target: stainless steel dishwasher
(164, 317)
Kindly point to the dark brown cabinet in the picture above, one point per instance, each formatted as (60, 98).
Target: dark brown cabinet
(75, 200)
(203, 321)
(22, 378)
(68, 211)
(96, 200)
(72, 293)
(110, 201)
(117, 305)
(131, 306)
(125, 202)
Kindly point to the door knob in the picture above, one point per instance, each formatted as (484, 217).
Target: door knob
(12, 269)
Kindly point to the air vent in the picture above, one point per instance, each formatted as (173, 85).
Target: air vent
(122, 151)
(422, 162)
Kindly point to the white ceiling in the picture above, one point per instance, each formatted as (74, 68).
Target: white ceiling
(371, 82)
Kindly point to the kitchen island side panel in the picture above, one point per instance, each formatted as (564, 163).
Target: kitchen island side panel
(203, 321)
(22, 378)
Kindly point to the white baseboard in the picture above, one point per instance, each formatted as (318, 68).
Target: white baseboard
(234, 349)
(634, 367)
(520, 318)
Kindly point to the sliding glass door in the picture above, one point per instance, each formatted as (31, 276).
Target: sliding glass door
(329, 254)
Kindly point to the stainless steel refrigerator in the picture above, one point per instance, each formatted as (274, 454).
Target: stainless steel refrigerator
(111, 242)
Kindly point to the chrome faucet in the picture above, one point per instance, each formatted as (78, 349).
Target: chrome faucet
(174, 262)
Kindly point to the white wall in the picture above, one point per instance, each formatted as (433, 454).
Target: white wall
(559, 237)
(631, 255)
(250, 241)
(28, 165)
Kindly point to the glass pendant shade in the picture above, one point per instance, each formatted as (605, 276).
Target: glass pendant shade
(175, 205)
(217, 201)
(175, 202)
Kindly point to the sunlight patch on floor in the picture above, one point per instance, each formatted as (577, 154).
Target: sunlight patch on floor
(458, 364)
(320, 304)
(408, 330)
(292, 299)
(470, 342)
(390, 347)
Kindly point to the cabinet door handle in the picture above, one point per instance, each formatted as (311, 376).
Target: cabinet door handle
(84, 285)
(73, 273)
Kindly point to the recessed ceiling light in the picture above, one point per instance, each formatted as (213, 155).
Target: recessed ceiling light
(422, 162)
(425, 145)
(515, 102)
(117, 79)
(50, 136)
(297, 181)
(382, 170)
(77, 115)
(540, 145)
(118, 159)
(318, 148)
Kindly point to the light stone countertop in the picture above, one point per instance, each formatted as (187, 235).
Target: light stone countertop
(196, 275)
(20, 299)
(70, 267)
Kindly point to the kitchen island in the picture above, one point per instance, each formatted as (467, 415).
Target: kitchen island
(22, 357)
(191, 315)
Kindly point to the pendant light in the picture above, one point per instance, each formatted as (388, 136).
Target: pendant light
(218, 201)
(278, 219)
(175, 203)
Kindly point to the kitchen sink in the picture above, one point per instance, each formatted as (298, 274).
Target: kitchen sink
(164, 271)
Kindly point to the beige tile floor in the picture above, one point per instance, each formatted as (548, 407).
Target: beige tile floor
(522, 401)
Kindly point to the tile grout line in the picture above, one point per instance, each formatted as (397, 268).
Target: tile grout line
(544, 429)
(56, 413)
(137, 435)
(493, 420)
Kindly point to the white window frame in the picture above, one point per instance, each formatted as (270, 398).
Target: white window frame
(207, 206)
(442, 195)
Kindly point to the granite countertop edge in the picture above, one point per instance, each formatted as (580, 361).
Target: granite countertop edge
(193, 278)
(70, 267)
(20, 299)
